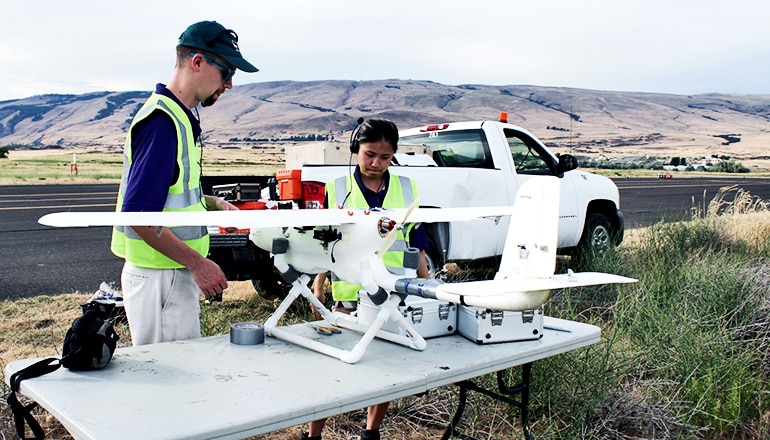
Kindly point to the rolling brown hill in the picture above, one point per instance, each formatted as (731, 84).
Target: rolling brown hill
(594, 122)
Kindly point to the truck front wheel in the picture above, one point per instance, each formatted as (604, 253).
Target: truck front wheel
(597, 235)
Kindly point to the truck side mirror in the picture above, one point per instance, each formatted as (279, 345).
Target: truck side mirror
(567, 162)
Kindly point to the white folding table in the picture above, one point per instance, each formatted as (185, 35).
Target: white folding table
(209, 388)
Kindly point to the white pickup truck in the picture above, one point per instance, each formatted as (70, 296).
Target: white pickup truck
(481, 163)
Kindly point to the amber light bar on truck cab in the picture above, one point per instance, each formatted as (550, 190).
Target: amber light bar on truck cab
(436, 127)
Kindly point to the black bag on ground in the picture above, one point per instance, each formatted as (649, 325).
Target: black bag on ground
(88, 345)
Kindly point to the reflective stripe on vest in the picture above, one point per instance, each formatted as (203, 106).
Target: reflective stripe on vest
(184, 195)
(402, 192)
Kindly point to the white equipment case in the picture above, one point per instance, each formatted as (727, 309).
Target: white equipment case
(484, 326)
(430, 317)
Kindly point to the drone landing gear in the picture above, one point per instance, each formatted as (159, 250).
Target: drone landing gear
(389, 311)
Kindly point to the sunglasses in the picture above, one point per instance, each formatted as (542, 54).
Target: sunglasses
(227, 72)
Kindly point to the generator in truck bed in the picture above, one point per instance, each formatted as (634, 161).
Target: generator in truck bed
(459, 164)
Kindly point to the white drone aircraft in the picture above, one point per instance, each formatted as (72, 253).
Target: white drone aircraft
(351, 243)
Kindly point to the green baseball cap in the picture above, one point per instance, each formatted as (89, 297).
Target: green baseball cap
(212, 37)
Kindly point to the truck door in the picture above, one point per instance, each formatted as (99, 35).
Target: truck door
(530, 160)
(464, 176)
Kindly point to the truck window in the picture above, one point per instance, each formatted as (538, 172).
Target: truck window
(458, 149)
(526, 154)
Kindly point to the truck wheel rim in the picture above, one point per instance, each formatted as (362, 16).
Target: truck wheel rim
(600, 237)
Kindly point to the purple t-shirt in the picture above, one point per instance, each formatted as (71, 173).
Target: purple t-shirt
(153, 166)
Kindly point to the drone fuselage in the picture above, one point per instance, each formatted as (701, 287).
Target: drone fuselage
(341, 248)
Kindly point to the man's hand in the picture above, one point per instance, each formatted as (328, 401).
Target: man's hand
(217, 204)
(209, 277)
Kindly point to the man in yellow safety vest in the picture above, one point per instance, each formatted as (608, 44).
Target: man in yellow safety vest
(166, 268)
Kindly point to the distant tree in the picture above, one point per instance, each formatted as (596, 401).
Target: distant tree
(729, 166)
(3, 152)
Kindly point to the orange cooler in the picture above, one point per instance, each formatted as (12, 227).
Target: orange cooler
(289, 184)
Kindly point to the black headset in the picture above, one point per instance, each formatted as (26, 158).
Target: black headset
(354, 144)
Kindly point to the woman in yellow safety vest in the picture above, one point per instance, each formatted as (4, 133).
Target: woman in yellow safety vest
(371, 185)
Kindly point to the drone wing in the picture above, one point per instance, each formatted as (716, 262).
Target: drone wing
(238, 219)
(261, 218)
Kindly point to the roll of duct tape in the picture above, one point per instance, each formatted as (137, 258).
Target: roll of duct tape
(247, 333)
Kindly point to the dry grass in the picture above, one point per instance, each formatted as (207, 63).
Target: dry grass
(104, 165)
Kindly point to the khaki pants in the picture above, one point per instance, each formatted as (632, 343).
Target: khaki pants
(161, 305)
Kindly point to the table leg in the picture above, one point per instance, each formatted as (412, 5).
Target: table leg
(501, 395)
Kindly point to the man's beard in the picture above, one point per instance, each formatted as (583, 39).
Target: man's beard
(208, 102)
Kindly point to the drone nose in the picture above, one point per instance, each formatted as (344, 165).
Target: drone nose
(386, 225)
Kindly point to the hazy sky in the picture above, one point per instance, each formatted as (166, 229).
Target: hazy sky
(670, 46)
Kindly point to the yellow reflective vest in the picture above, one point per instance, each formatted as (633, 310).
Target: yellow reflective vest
(344, 192)
(184, 194)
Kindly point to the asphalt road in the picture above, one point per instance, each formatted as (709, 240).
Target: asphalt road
(645, 201)
(38, 260)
